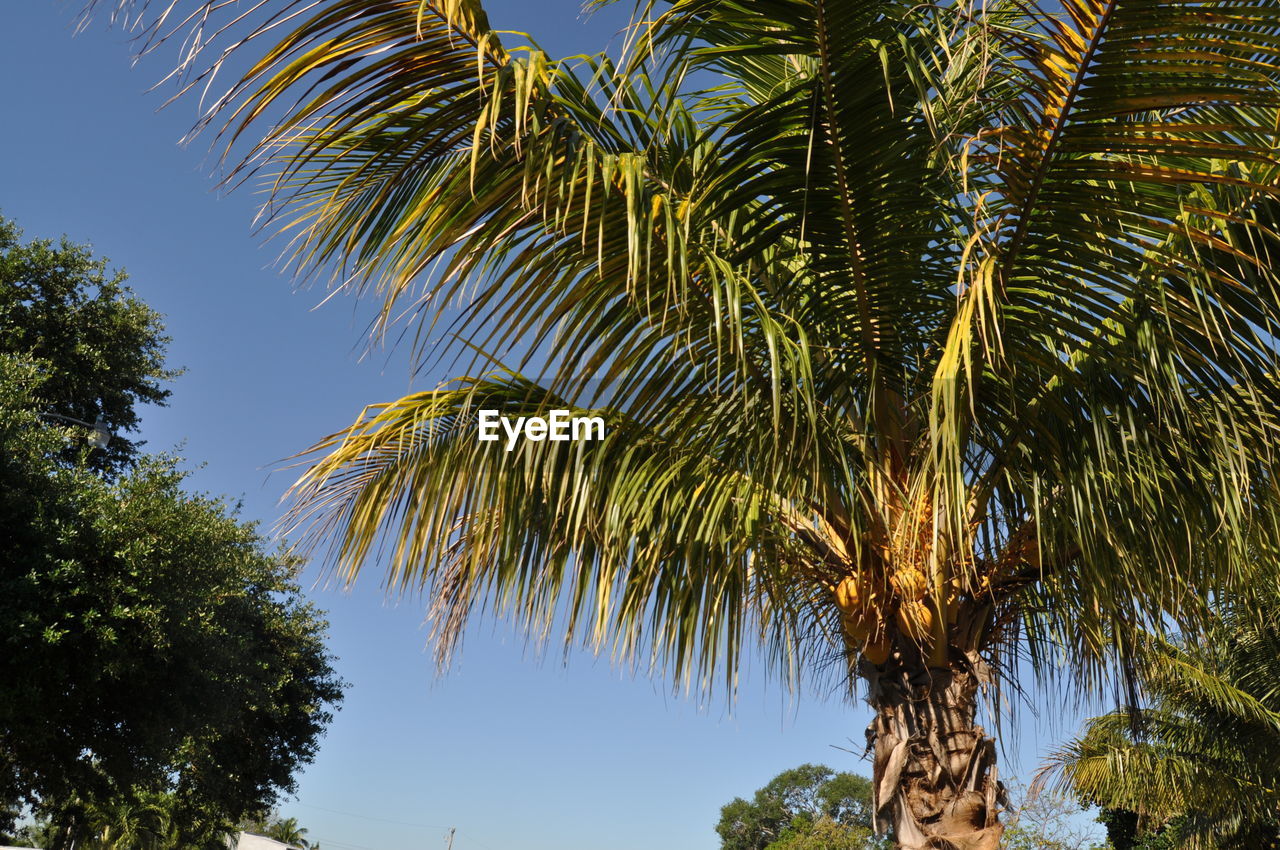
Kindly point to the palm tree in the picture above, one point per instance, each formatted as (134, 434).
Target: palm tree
(929, 338)
(288, 831)
(1203, 753)
(129, 821)
(135, 822)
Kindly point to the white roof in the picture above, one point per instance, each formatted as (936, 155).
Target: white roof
(249, 841)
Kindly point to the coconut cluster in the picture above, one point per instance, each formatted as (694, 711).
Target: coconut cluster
(865, 607)
(895, 592)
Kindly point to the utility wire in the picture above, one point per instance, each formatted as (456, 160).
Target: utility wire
(325, 842)
(371, 817)
(381, 820)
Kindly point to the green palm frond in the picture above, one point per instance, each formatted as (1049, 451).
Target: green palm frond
(1205, 747)
(982, 292)
(575, 529)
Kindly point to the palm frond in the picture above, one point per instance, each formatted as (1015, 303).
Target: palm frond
(984, 293)
(582, 530)
(1204, 748)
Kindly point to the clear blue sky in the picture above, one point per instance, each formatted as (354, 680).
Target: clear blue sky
(517, 754)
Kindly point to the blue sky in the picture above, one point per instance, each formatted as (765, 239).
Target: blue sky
(516, 753)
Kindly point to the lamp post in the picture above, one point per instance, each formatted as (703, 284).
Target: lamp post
(100, 432)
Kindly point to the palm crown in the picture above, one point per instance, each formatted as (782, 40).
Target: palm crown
(922, 332)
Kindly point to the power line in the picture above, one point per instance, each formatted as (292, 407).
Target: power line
(325, 842)
(481, 843)
(381, 820)
(371, 817)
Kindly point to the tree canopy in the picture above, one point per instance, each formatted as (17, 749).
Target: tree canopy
(138, 820)
(1046, 819)
(151, 642)
(810, 806)
(99, 348)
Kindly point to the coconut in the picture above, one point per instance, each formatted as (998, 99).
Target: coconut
(915, 619)
(877, 651)
(858, 625)
(848, 594)
(910, 583)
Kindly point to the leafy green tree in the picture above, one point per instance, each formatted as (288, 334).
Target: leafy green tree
(1199, 759)
(150, 643)
(823, 833)
(140, 823)
(10, 812)
(1125, 833)
(100, 348)
(137, 820)
(31, 833)
(930, 337)
(800, 807)
(154, 643)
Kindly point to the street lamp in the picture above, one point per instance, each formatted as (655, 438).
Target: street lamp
(99, 434)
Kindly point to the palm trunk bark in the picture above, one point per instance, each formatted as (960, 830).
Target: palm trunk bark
(935, 777)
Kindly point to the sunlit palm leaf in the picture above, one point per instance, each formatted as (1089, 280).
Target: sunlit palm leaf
(578, 529)
(973, 307)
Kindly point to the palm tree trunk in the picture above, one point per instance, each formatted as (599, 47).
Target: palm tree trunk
(935, 773)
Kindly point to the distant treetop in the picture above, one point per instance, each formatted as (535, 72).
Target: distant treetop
(101, 349)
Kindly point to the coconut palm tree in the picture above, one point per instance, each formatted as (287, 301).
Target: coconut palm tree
(930, 338)
(1203, 750)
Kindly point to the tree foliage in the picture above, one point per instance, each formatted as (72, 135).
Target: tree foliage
(153, 650)
(151, 641)
(100, 349)
(1047, 819)
(1125, 833)
(138, 820)
(288, 831)
(809, 806)
(285, 830)
(823, 833)
(904, 292)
